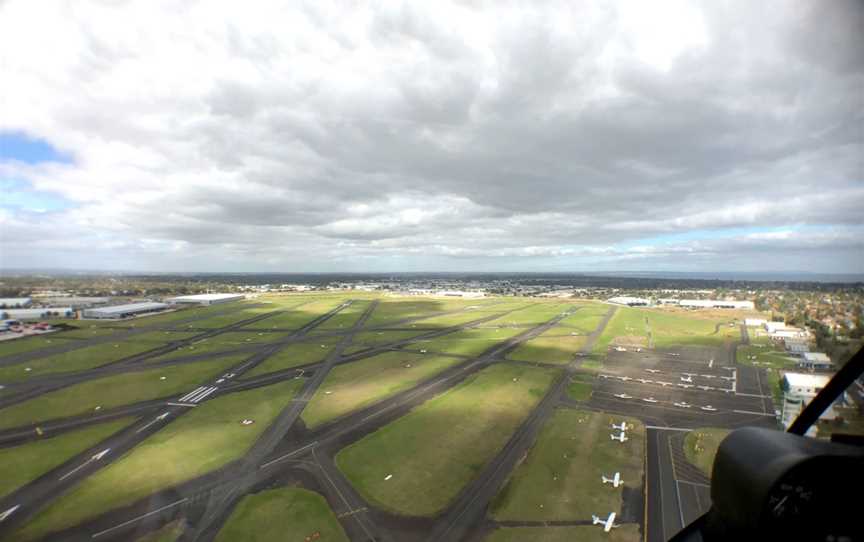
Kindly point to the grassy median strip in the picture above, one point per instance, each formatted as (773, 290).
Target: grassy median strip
(558, 345)
(298, 317)
(169, 532)
(206, 438)
(22, 464)
(289, 513)
(345, 318)
(294, 355)
(435, 450)
(113, 391)
(75, 360)
(469, 342)
(561, 478)
(580, 533)
(361, 383)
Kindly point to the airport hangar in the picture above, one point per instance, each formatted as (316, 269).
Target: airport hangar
(205, 299)
(124, 311)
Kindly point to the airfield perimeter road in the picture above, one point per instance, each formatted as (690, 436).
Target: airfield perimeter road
(289, 453)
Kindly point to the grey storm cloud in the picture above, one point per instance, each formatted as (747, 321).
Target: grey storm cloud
(546, 132)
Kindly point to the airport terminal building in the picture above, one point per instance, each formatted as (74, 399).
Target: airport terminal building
(205, 299)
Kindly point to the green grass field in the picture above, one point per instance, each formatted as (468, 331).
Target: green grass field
(394, 309)
(436, 449)
(765, 357)
(581, 533)
(29, 344)
(290, 513)
(534, 314)
(294, 355)
(224, 342)
(206, 438)
(580, 387)
(470, 342)
(586, 319)
(700, 447)
(626, 323)
(300, 316)
(347, 317)
(86, 331)
(681, 328)
(375, 338)
(557, 345)
(361, 383)
(561, 478)
(112, 391)
(75, 360)
(22, 464)
(169, 532)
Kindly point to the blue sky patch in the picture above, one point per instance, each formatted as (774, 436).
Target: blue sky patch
(22, 148)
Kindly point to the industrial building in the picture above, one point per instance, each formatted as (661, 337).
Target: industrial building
(798, 390)
(15, 302)
(815, 360)
(37, 314)
(629, 301)
(205, 299)
(124, 311)
(716, 304)
(75, 302)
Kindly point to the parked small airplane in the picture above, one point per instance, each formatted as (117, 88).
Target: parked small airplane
(682, 404)
(615, 480)
(685, 385)
(625, 378)
(688, 379)
(608, 524)
(621, 426)
(623, 396)
(620, 349)
(649, 400)
(653, 370)
(620, 438)
(709, 408)
(704, 388)
(645, 380)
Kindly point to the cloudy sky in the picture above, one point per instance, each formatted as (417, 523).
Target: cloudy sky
(541, 136)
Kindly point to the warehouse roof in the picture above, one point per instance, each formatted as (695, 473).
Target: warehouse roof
(206, 297)
(817, 357)
(806, 380)
(129, 307)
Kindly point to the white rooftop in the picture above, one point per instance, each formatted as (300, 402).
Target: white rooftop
(819, 357)
(806, 380)
(206, 297)
(129, 307)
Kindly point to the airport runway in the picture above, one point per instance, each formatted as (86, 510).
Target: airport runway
(288, 449)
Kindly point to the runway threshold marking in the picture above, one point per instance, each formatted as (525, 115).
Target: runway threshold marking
(664, 428)
(133, 520)
(9, 512)
(753, 413)
(94, 457)
(182, 404)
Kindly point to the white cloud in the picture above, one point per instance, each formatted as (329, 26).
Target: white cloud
(209, 135)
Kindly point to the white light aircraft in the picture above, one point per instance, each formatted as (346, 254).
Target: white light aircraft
(688, 379)
(623, 396)
(682, 404)
(620, 349)
(621, 426)
(608, 524)
(615, 480)
(709, 408)
(649, 400)
(653, 370)
(620, 438)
